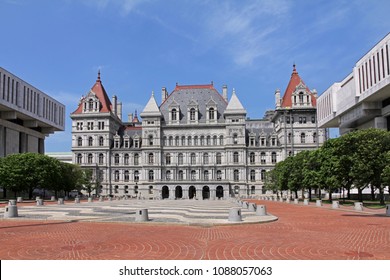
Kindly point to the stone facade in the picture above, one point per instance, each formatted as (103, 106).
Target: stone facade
(196, 144)
(27, 116)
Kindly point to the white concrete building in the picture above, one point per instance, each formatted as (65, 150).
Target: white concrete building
(196, 144)
(362, 99)
(27, 116)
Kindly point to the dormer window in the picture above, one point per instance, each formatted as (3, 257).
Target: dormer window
(211, 114)
(174, 115)
(91, 103)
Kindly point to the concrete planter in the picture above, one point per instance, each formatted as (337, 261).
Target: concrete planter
(235, 215)
(358, 206)
(261, 210)
(335, 204)
(141, 215)
(319, 203)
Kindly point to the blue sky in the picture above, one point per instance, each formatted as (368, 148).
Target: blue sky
(144, 45)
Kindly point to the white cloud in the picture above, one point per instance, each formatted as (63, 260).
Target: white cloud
(124, 6)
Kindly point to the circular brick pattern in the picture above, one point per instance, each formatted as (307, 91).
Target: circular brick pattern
(302, 232)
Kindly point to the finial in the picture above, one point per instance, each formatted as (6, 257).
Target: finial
(153, 93)
(234, 91)
(212, 83)
(135, 114)
(98, 78)
(294, 68)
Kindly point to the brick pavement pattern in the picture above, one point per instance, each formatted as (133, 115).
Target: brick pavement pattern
(302, 232)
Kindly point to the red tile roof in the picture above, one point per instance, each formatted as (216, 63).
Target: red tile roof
(295, 80)
(101, 94)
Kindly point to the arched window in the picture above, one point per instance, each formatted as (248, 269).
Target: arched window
(273, 157)
(215, 140)
(183, 140)
(236, 175)
(101, 158)
(253, 176)
(170, 140)
(289, 138)
(136, 159)
(181, 175)
(90, 104)
(262, 175)
(262, 158)
(116, 175)
(168, 175)
(235, 157)
(90, 158)
(303, 138)
(252, 158)
(189, 141)
(301, 98)
(205, 158)
(193, 175)
(196, 143)
(168, 159)
(219, 175)
(193, 158)
(90, 141)
(211, 114)
(177, 141)
(208, 140)
(126, 176)
(116, 159)
(218, 158)
(180, 159)
(151, 175)
(206, 175)
(101, 141)
(126, 159)
(221, 140)
(79, 141)
(192, 114)
(136, 176)
(173, 114)
(79, 158)
(151, 158)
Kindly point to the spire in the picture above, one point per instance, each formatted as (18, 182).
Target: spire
(151, 109)
(234, 106)
(294, 70)
(98, 77)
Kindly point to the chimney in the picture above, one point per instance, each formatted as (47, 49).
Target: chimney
(119, 108)
(114, 104)
(225, 93)
(315, 93)
(130, 118)
(277, 98)
(164, 94)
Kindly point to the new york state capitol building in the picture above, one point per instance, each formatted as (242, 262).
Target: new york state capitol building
(197, 143)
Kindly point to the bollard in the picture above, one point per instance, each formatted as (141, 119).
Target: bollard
(12, 202)
(109, 198)
(252, 207)
(306, 201)
(287, 200)
(90, 199)
(358, 206)
(296, 201)
(388, 210)
(40, 202)
(53, 198)
(60, 201)
(235, 215)
(101, 199)
(141, 215)
(245, 205)
(275, 198)
(318, 203)
(19, 199)
(335, 204)
(281, 199)
(261, 210)
(11, 211)
(77, 200)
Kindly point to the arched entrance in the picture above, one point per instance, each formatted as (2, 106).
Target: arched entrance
(219, 192)
(191, 192)
(206, 192)
(178, 192)
(165, 192)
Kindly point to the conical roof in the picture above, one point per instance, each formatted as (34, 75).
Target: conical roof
(295, 81)
(151, 108)
(234, 106)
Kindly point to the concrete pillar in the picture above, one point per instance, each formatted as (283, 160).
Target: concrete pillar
(101, 198)
(19, 199)
(60, 201)
(11, 211)
(235, 215)
(12, 202)
(388, 210)
(53, 198)
(141, 215)
(245, 205)
(39, 202)
(261, 210)
(318, 203)
(77, 200)
(281, 199)
(335, 204)
(296, 201)
(90, 199)
(287, 200)
(306, 201)
(358, 206)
